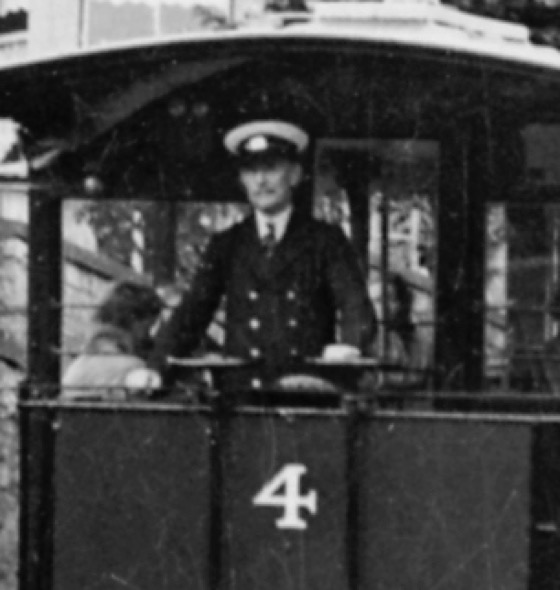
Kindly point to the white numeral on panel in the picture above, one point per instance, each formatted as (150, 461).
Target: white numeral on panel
(284, 491)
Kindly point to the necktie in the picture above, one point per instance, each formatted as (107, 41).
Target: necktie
(269, 239)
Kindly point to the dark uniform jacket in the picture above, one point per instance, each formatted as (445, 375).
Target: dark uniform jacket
(279, 308)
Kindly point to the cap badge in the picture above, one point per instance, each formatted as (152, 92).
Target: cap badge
(257, 143)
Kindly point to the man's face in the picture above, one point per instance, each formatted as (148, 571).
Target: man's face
(269, 183)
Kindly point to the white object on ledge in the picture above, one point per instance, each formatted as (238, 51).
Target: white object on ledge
(341, 352)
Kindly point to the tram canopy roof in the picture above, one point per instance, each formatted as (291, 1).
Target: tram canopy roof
(431, 53)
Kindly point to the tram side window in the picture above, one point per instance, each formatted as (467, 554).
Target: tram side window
(13, 253)
(522, 297)
(522, 344)
(383, 193)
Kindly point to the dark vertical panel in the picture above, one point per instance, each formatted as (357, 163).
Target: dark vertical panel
(132, 501)
(260, 554)
(44, 288)
(303, 195)
(36, 499)
(545, 538)
(480, 190)
(384, 271)
(219, 440)
(354, 171)
(165, 242)
(451, 234)
(353, 482)
(445, 504)
(465, 187)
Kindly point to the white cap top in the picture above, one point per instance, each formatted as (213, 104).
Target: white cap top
(256, 131)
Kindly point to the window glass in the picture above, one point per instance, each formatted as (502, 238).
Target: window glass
(110, 241)
(542, 153)
(522, 297)
(522, 272)
(496, 293)
(14, 170)
(198, 221)
(383, 194)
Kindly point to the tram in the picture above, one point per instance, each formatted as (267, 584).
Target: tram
(436, 149)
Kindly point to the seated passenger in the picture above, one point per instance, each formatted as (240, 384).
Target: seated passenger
(120, 342)
(285, 276)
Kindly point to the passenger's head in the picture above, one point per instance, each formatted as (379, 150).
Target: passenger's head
(268, 154)
(133, 308)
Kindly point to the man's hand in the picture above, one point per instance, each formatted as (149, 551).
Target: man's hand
(145, 379)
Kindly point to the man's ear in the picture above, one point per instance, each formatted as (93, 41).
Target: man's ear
(296, 174)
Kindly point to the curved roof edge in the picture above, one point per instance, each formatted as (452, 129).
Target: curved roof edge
(425, 24)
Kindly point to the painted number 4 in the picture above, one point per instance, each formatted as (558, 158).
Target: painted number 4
(284, 491)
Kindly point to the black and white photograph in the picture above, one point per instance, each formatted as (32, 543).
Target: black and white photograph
(279, 294)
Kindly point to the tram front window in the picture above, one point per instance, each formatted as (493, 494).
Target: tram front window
(116, 242)
(386, 208)
(383, 193)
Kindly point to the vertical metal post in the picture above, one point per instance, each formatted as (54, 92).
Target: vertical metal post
(44, 289)
(36, 515)
(36, 433)
(552, 330)
(545, 502)
(466, 183)
(479, 192)
(384, 272)
(218, 450)
(354, 474)
(164, 240)
(450, 349)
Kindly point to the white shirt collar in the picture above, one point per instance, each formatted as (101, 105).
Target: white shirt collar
(280, 222)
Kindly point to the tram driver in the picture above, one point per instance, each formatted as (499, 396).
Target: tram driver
(287, 278)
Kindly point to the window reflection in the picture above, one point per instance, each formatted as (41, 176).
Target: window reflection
(198, 221)
(522, 283)
(383, 194)
(114, 240)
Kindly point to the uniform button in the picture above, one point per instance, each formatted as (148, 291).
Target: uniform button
(254, 324)
(253, 295)
(291, 295)
(292, 322)
(255, 353)
(256, 383)
(294, 352)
